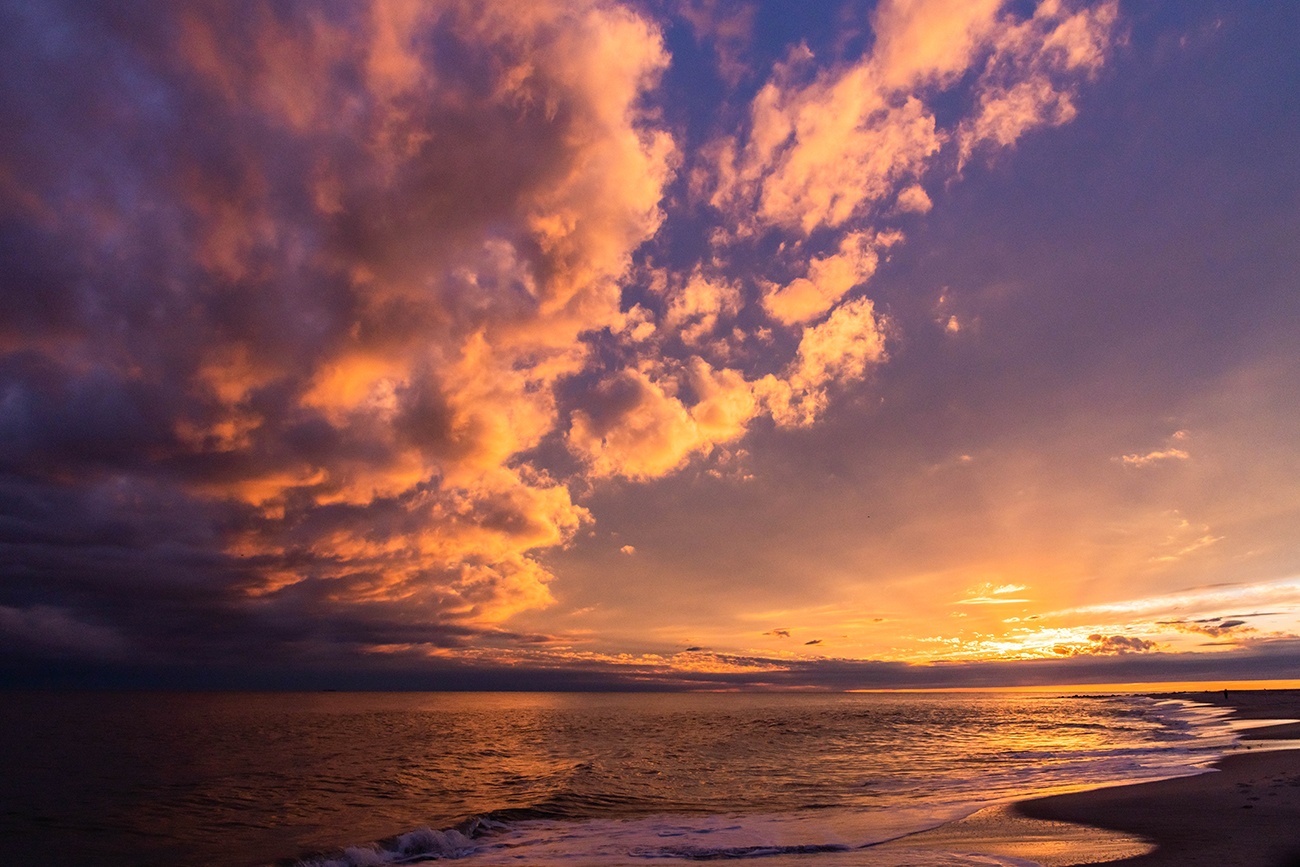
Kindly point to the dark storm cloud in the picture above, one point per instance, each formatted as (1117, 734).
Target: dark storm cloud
(58, 420)
(1273, 660)
(400, 670)
(270, 274)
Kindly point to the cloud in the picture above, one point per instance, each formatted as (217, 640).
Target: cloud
(1182, 545)
(728, 28)
(627, 549)
(829, 153)
(836, 351)
(827, 146)
(637, 427)
(914, 199)
(1197, 603)
(819, 154)
(930, 42)
(1216, 627)
(45, 629)
(1171, 452)
(317, 319)
(323, 279)
(1029, 79)
(1146, 460)
(828, 280)
(994, 594)
(1105, 645)
(695, 308)
(833, 149)
(419, 666)
(638, 424)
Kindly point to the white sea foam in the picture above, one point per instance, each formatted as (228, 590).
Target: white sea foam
(624, 842)
(814, 784)
(422, 844)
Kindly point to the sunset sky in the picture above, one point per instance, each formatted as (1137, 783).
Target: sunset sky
(582, 343)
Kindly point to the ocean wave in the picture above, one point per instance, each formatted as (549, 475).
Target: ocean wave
(597, 809)
(733, 853)
(486, 840)
(421, 844)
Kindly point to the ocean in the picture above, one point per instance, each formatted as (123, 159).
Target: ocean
(539, 779)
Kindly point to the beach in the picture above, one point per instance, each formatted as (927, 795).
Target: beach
(1244, 814)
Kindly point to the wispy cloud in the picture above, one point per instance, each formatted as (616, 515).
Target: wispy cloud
(994, 594)
(1136, 460)
(1213, 626)
(1169, 453)
(1197, 601)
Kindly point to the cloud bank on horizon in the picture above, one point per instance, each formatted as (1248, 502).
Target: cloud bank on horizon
(325, 326)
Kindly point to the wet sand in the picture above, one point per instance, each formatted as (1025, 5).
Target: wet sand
(1245, 814)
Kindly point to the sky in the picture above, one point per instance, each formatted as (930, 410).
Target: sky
(649, 344)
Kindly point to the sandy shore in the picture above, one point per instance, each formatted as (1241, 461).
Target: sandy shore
(1247, 814)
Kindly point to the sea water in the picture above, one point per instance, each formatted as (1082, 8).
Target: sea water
(348, 779)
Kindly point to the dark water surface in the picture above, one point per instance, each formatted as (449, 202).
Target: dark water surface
(243, 779)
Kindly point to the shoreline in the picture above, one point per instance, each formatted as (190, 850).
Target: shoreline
(1241, 814)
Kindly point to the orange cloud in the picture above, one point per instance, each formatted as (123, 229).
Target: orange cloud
(641, 431)
(1136, 460)
(504, 238)
(1028, 81)
(828, 157)
(839, 350)
(914, 199)
(637, 425)
(929, 41)
(639, 428)
(820, 154)
(1106, 645)
(990, 594)
(695, 308)
(829, 279)
(1216, 627)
